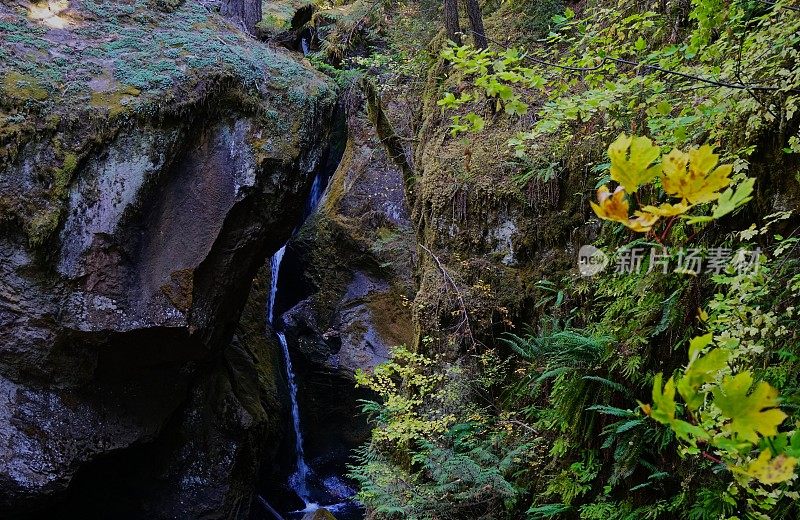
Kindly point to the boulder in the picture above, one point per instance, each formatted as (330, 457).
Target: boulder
(135, 209)
(319, 514)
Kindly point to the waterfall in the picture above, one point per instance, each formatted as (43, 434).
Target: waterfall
(275, 267)
(316, 491)
(298, 481)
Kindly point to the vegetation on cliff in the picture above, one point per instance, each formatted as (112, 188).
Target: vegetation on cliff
(662, 390)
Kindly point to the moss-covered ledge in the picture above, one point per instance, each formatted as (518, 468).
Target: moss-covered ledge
(70, 82)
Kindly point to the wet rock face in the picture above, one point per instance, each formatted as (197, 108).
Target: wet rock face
(369, 320)
(121, 336)
(356, 255)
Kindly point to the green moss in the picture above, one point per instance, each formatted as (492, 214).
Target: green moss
(63, 176)
(156, 65)
(42, 226)
(264, 353)
(115, 102)
(167, 6)
(23, 87)
(391, 317)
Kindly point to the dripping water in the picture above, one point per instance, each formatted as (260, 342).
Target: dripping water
(305, 41)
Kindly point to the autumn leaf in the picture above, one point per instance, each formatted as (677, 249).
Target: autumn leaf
(643, 221)
(611, 206)
(668, 210)
(632, 161)
(615, 207)
(694, 176)
(770, 470)
(751, 414)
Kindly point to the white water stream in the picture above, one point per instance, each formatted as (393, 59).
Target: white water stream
(299, 480)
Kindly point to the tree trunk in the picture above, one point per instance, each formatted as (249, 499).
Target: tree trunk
(476, 22)
(246, 12)
(451, 21)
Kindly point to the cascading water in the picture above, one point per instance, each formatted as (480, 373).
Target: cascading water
(305, 41)
(299, 479)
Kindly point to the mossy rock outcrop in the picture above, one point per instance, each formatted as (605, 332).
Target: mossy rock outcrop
(319, 514)
(151, 159)
(284, 20)
(357, 254)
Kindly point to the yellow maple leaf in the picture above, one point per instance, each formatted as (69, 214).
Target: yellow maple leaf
(751, 413)
(632, 161)
(668, 210)
(611, 206)
(770, 470)
(694, 176)
(643, 221)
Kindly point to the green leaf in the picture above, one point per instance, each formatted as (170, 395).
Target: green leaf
(729, 200)
(664, 108)
(697, 344)
(448, 101)
(689, 432)
(516, 108)
(700, 371)
(476, 122)
(752, 414)
(663, 400)
(611, 410)
(793, 450)
(632, 161)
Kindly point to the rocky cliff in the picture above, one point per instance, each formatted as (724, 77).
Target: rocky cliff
(153, 156)
(345, 284)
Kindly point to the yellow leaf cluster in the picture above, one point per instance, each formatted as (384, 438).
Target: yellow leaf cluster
(615, 207)
(694, 177)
